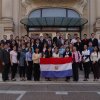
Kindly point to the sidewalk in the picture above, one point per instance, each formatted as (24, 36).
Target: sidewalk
(58, 81)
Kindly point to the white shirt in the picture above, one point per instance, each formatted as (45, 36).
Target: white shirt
(56, 55)
(13, 55)
(73, 41)
(36, 57)
(84, 54)
(94, 56)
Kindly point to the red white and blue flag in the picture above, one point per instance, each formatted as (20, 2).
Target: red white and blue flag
(56, 67)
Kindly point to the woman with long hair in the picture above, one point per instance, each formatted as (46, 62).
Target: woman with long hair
(29, 63)
(14, 63)
(76, 60)
(56, 53)
(95, 67)
(86, 62)
(36, 60)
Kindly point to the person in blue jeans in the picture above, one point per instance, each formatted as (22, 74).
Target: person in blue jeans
(22, 64)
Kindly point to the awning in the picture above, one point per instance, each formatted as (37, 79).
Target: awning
(62, 22)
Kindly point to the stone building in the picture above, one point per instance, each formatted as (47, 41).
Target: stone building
(13, 11)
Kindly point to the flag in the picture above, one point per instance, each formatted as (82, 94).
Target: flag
(56, 67)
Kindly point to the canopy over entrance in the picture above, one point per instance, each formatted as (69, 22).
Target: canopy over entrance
(62, 22)
(54, 19)
(68, 24)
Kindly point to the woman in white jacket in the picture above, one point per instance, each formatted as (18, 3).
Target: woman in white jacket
(95, 56)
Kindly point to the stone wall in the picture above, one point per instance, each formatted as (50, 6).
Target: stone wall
(0, 8)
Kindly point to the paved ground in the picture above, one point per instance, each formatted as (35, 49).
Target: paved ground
(49, 91)
(53, 90)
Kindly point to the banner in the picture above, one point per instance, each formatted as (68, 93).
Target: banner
(56, 67)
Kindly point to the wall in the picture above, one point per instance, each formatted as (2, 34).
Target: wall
(0, 8)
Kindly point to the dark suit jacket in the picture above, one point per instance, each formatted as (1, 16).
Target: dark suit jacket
(1, 54)
(85, 42)
(94, 42)
(6, 56)
(39, 46)
(2, 41)
(1, 58)
(68, 53)
(57, 41)
(48, 54)
(78, 46)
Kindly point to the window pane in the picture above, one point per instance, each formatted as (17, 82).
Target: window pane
(36, 13)
(72, 13)
(54, 12)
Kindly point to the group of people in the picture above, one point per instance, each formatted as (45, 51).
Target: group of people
(22, 55)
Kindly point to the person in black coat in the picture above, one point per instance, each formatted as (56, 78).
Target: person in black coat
(37, 45)
(85, 41)
(93, 40)
(6, 63)
(4, 39)
(57, 40)
(48, 53)
(1, 52)
(78, 45)
(1, 56)
(11, 40)
(67, 53)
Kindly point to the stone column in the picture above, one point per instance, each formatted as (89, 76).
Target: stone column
(7, 17)
(92, 14)
(97, 8)
(0, 8)
(97, 23)
(7, 8)
(16, 9)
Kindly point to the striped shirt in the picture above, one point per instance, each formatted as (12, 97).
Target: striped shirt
(76, 56)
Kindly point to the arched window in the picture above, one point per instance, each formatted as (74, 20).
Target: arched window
(54, 12)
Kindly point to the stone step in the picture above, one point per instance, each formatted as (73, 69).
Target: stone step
(81, 77)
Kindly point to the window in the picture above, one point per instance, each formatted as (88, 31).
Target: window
(36, 13)
(72, 13)
(54, 12)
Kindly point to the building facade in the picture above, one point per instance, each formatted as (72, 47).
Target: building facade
(12, 11)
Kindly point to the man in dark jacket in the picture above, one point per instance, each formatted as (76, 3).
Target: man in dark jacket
(1, 56)
(37, 45)
(78, 45)
(93, 40)
(57, 40)
(4, 39)
(6, 63)
(85, 40)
